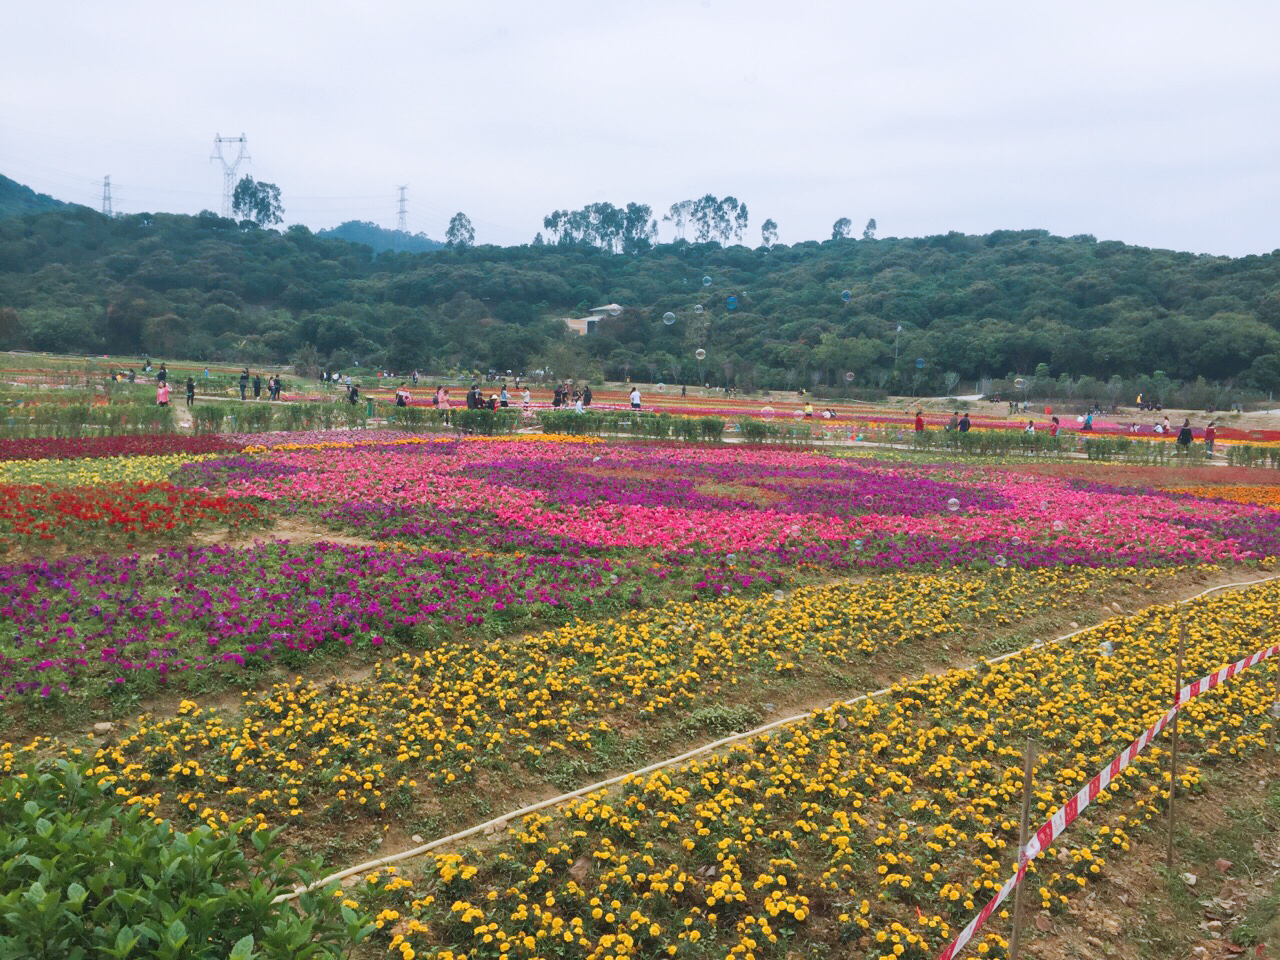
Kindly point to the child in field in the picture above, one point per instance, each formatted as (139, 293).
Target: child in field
(162, 393)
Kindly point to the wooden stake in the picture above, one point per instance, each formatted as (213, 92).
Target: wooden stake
(1173, 760)
(1028, 764)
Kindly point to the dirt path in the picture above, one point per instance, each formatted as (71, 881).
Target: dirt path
(182, 415)
(292, 529)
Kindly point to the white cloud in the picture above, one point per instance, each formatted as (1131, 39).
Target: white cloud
(1142, 121)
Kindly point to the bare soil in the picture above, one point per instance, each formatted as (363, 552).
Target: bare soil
(292, 529)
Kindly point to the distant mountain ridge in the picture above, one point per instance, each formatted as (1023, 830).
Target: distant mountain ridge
(16, 199)
(381, 239)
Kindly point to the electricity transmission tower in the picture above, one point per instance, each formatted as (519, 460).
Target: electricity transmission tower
(402, 222)
(106, 196)
(229, 167)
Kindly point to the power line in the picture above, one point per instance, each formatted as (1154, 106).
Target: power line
(229, 167)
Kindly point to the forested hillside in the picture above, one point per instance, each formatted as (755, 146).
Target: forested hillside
(968, 306)
(16, 199)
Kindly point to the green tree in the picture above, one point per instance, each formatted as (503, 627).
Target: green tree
(1264, 372)
(734, 215)
(769, 233)
(639, 228)
(840, 229)
(460, 234)
(259, 202)
(869, 231)
(10, 328)
(678, 215)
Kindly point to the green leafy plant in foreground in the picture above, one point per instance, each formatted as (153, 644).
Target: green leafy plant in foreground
(84, 873)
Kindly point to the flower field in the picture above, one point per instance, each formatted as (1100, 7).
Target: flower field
(731, 499)
(348, 632)
(462, 709)
(876, 827)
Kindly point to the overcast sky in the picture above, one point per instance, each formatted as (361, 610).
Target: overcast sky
(1154, 123)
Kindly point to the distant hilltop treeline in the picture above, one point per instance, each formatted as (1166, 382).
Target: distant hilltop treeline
(16, 199)
(903, 314)
(380, 239)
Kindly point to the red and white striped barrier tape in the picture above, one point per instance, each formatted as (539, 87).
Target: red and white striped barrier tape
(1065, 814)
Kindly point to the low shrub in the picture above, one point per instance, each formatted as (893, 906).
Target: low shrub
(85, 873)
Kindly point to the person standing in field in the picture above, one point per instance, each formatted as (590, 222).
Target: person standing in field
(244, 382)
(257, 386)
(1210, 437)
(963, 425)
(191, 392)
(919, 421)
(525, 399)
(162, 393)
(635, 397)
(1184, 436)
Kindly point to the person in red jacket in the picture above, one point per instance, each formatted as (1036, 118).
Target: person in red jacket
(1210, 435)
(919, 421)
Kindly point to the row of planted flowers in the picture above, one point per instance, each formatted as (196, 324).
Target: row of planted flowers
(37, 517)
(124, 621)
(556, 703)
(878, 827)
(147, 445)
